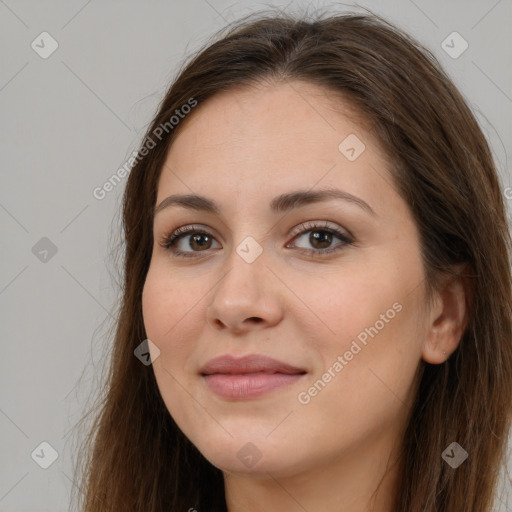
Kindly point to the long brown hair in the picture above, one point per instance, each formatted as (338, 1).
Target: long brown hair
(135, 458)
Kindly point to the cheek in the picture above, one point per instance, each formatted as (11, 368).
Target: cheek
(168, 314)
(365, 379)
(372, 320)
(166, 307)
(346, 305)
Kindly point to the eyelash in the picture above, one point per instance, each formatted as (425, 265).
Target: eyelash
(169, 241)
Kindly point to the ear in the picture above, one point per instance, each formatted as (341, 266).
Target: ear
(447, 318)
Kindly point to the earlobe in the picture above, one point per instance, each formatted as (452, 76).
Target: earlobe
(447, 320)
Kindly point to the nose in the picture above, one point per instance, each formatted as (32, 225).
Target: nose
(246, 297)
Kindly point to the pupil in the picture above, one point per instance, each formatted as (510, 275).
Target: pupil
(324, 239)
(198, 236)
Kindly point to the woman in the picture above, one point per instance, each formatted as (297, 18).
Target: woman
(318, 268)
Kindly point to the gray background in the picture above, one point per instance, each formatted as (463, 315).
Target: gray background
(68, 122)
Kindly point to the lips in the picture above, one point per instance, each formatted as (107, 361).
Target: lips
(248, 376)
(246, 365)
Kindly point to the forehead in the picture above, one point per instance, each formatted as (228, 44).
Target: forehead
(273, 113)
(265, 140)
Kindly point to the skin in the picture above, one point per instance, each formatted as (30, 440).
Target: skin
(242, 148)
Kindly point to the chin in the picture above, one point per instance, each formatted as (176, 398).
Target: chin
(249, 455)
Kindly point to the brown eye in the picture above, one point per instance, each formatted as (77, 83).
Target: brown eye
(321, 238)
(200, 241)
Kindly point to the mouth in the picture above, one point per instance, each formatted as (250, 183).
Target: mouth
(249, 376)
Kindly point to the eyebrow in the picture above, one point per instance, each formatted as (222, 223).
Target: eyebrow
(281, 203)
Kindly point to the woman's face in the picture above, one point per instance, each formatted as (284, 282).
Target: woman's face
(329, 286)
